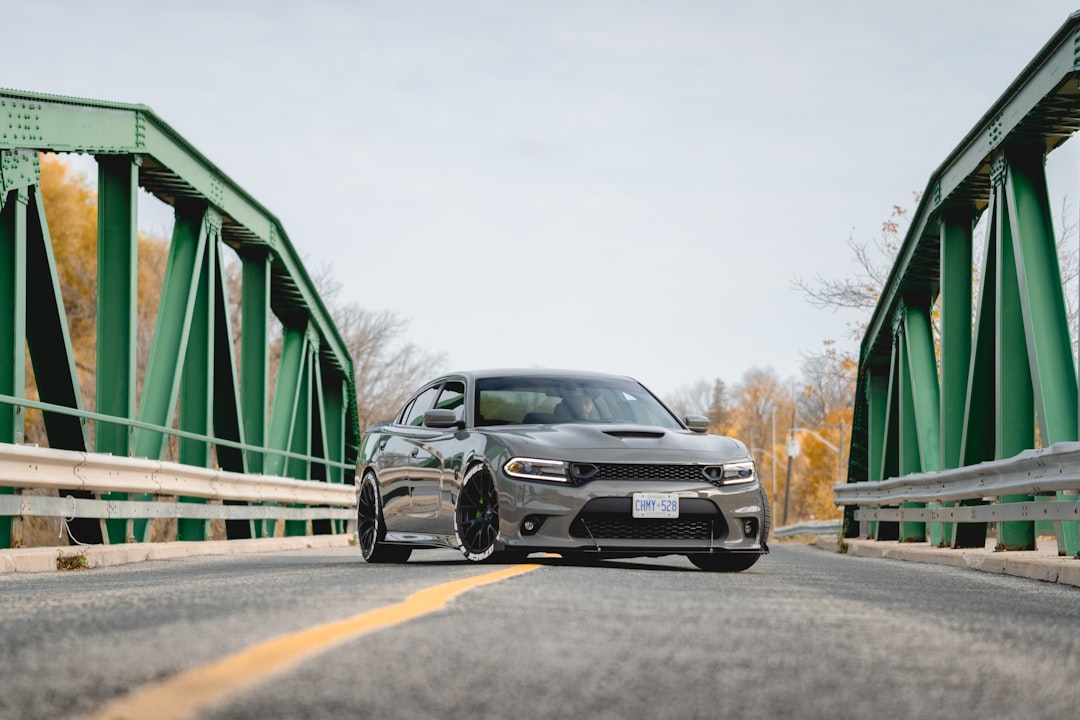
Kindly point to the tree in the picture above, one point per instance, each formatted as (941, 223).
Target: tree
(703, 398)
(386, 368)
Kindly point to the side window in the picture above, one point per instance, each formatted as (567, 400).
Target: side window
(414, 414)
(453, 398)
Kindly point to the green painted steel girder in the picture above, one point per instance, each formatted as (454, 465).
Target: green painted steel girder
(1008, 383)
(172, 169)
(118, 272)
(225, 415)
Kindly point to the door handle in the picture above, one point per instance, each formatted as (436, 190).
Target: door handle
(415, 451)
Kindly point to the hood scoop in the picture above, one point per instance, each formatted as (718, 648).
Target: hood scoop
(651, 434)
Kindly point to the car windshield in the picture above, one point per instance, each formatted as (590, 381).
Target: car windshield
(541, 400)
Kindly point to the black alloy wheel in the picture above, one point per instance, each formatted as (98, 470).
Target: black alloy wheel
(370, 529)
(476, 519)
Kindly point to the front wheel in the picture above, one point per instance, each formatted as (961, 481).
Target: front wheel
(370, 529)
(476, 518)
(724, 562)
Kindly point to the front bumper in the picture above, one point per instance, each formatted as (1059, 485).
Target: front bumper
(597, 516)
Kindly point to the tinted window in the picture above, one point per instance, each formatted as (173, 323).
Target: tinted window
(452, 397)
(538, 399)
(414, 412)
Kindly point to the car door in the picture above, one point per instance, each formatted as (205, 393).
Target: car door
(449, 447)
(398, 453)
(430, 471)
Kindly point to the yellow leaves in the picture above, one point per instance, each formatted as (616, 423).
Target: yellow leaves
(72, 216)
(71, 213)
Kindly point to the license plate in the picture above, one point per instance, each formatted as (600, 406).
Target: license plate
(656, 505)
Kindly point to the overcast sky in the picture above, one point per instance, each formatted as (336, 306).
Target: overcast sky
(613, 185)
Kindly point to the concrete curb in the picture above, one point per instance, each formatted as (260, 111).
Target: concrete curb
(51, 559)
(1043, 564)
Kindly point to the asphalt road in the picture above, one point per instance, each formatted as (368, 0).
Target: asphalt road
(803, 634)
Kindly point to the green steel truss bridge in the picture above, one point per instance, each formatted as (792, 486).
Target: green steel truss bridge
(966, 407)
(218, 415)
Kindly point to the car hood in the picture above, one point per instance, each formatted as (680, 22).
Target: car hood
(617, 443)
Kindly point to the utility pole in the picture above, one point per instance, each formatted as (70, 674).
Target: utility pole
(792, 451)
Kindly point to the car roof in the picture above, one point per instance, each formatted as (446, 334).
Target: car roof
(533, 372)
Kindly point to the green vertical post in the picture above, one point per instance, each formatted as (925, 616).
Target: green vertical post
(286, 398)
(956, 291)
(1014, 415)
(979, 441)
(161, 386)
(877, 400)
(334, 418)
(301, 435)
(1046, 319)
(228, 420)
(254, 359)
(12, 325)
(890, 451)
(920, 406)
(254, 342)
(197, 382)
(118, 242)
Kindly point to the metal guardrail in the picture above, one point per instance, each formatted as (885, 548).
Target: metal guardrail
(27, 466)
(1043, 473)
(814, 527)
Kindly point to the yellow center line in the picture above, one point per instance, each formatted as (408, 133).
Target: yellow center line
(182, 696)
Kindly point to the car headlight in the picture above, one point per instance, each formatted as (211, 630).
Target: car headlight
(533, 469)
(738, 472)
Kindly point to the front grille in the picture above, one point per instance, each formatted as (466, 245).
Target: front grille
(629, 528)
(635, 472)
(612, 519)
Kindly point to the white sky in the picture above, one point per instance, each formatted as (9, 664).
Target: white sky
(612, 185)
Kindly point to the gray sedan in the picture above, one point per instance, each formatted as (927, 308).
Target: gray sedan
(504, 463)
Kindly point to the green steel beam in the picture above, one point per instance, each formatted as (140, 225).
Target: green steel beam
(1014, 412)
(12, 324)
(890, 445)
(955, 273)
(920, 433)
(1034, 103)
(47, 337)
(956, 294)
(301, 434)
(877, 398)
(118, 300)
(315, 403)
(172, 169)
(254, 348)
(283, 414)
(1042, 302)
(197, 384)
(13, 316)
(228, 411)
(1016, 367)
(175, 310)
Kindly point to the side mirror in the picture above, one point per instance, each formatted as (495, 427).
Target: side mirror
(697, 423)
(440, 419)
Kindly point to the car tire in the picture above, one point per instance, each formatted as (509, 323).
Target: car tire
(370, 529)
(766, 520)
(476, 516)
(724, 561)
